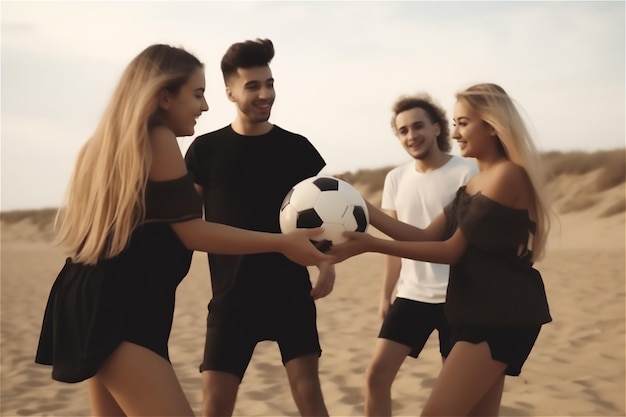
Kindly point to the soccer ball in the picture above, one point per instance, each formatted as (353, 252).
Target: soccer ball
(327, 202)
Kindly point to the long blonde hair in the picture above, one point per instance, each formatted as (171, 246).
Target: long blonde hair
(104, 201)
(497, 109)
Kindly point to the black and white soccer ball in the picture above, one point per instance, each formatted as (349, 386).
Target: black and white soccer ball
(328, 202)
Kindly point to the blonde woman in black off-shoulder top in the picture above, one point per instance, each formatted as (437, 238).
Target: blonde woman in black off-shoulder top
(491, 234)
(131, 220)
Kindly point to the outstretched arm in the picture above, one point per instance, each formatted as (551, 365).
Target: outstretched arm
(403, 231)
(441, 252)
(211, 237)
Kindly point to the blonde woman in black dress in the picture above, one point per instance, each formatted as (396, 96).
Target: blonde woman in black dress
(491, 234)
(131, 220)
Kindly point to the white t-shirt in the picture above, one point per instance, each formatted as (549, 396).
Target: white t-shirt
(417, 198)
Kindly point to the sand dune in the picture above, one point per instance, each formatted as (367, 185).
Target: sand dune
(576, 369)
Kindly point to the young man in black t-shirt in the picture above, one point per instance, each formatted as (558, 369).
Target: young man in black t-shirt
(243, 171)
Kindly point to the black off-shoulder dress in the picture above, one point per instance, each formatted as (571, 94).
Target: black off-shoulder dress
(494, 293)
(93, 308)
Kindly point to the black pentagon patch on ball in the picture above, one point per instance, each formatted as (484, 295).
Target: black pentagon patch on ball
(287, 199)
(322, 245)
(361, 219)
(327, 184)
(308, 219)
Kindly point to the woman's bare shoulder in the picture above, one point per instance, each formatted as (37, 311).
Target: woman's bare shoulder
(167, 159)
(508, 185)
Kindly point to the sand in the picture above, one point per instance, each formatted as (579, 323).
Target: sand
(576, 369)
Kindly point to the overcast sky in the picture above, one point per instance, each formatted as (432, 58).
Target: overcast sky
(338, 68)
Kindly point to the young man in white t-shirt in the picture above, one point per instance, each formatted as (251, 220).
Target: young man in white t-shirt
(414, 193)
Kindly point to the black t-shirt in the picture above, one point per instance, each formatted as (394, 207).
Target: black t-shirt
(245, 179)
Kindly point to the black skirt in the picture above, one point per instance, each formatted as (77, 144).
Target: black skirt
(509, 345)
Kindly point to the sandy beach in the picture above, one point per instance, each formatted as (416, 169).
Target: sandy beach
(576, 369)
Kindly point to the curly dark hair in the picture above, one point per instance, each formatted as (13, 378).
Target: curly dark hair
(247, 54)
(435, 112)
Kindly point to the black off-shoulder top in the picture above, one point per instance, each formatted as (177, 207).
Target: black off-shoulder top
(494, 284)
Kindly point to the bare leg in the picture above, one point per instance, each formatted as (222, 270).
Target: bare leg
(102, 402)
(219, 393)
(305, 385)
(468, 376)
(489, 405)
(387, 359)
(142, 383)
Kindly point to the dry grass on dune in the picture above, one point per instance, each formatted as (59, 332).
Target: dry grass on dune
(581, 181)
(39, 217)
(610, 166)
(577, 181)
(41, 220)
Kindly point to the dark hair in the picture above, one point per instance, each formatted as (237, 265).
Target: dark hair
(435, 113)
(247, 54)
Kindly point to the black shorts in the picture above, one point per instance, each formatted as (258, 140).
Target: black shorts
(412, 322)
(508, 345)
(232, 337)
